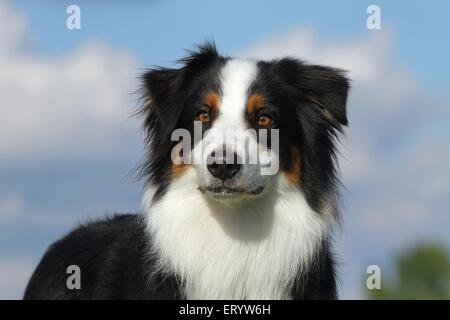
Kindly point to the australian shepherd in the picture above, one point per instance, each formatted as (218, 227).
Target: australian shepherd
(241, 189)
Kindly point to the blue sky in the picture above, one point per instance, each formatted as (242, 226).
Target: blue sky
(67, 143)
(420, 28)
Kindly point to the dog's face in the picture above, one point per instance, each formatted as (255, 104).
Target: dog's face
(239, 124)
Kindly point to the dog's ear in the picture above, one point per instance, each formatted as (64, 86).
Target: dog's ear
(165, 90)
(324, 87)
(162, 98)
(327, 88)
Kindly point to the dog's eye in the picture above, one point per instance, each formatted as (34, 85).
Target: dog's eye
(203, 116)
(264, 120)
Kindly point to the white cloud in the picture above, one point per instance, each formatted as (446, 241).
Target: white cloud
(10, 37)
(67, 106)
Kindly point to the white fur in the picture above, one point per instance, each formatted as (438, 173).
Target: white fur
(249, 250)
(236, 77)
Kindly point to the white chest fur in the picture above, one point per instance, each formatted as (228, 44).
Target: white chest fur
(251, 250)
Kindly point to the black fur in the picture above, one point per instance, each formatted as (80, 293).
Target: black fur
(114, 261)
(113, 258)
(308, 104)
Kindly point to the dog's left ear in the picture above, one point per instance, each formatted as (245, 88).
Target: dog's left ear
(327, 88)
(323, 87)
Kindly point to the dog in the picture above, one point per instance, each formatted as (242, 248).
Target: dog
(215, 225)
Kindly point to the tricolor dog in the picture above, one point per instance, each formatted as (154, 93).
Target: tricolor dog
(241, 190)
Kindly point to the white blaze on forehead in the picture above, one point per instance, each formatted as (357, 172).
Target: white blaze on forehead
(236, 77)
(229, 128)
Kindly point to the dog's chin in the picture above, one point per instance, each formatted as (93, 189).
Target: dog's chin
(222, 193)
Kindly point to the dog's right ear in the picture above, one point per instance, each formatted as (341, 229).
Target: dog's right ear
(162, 99)
(165, 89)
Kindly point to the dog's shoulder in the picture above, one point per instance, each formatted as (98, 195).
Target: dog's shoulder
(98, 252)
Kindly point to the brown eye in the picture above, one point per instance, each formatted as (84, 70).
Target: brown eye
(264, 120)
(203, 116)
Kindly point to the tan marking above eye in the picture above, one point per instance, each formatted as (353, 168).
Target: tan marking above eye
(212, 100)
(254, 102)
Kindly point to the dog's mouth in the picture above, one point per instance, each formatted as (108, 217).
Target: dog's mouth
(229, 192)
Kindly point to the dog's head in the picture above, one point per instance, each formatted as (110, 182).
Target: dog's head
(239, 124)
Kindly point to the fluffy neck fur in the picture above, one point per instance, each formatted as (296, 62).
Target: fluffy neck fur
(248, 250)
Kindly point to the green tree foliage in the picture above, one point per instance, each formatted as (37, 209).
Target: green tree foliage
(420, 273)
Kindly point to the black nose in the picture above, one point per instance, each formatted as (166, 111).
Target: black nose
(224, 168)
